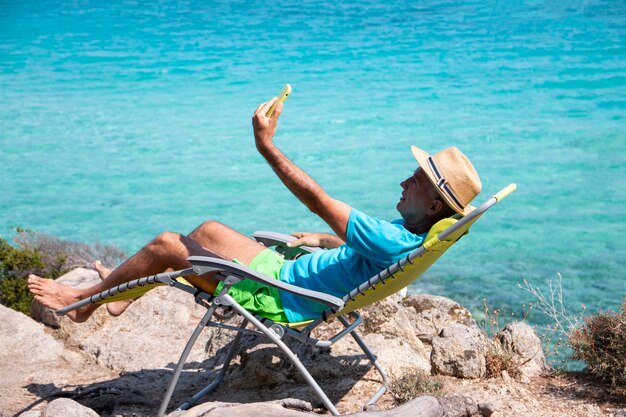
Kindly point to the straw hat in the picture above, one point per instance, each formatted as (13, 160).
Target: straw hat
(453, 176)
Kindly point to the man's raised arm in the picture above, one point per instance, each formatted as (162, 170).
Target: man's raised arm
(334, 212)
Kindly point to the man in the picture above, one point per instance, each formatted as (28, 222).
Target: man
(442, 185)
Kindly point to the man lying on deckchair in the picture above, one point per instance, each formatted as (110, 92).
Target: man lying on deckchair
(442, 184)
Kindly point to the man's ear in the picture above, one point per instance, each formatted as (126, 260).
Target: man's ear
(436, 205)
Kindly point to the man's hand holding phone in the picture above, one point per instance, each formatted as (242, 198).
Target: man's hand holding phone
(266, 117)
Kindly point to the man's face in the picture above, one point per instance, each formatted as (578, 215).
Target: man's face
(415, 197)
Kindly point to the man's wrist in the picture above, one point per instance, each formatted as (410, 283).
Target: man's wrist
(329, 241)
(263, 147)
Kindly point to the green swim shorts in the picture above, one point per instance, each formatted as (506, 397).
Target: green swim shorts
(257, 298)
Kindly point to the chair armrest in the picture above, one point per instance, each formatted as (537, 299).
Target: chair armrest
(280, 239)
(204, 264)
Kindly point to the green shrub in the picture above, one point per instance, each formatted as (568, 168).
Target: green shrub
(600, 342)
(15, 264)
(43, 255)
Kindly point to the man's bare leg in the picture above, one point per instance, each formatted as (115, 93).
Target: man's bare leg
(168, 250)
(223, 241)
(114, 308)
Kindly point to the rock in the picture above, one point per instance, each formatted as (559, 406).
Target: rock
(520, 339)
(429, 314)
(151, 333)
(18, 333)
(34, 363)
(64, 407)
(394, 353)
(457, 406)
(388, 330)
(424, 406)
(459, 351)
(506, 377)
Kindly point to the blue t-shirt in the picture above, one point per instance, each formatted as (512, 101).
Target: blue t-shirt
(371, 245)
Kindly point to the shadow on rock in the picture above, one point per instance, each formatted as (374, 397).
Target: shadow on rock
(257, 373)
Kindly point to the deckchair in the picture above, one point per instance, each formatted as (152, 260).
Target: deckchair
(388, 281)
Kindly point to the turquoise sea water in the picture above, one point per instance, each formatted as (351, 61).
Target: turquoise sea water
(119, 120)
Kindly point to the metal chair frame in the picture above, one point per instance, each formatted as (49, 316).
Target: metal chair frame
(231, 273)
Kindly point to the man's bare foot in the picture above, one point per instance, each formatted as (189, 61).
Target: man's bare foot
(55, 296)
(114, 308)
(102, 270)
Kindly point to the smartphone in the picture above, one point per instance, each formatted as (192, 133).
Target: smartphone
(281, 97)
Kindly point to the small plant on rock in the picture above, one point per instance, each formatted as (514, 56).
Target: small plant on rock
(411, 385)
(499, 359)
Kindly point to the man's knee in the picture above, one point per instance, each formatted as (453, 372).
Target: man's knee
(165, 243)
(208, 229)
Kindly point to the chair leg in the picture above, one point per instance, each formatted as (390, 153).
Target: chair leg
(229, 357)
(294, 359)
(357, 338)
(183, 358)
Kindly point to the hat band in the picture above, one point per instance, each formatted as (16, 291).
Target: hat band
(442, 183)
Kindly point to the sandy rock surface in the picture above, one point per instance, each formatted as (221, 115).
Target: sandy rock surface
(122, 366)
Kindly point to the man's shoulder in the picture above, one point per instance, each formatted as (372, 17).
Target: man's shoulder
(361, 224)
(358, 215)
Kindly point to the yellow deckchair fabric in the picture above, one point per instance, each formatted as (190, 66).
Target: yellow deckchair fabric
(138, 291)
(411, 271)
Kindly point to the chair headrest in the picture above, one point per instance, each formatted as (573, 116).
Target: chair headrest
(439, 227)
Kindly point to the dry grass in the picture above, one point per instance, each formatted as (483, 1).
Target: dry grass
(411, 385)
(600, 342)
(499, 359)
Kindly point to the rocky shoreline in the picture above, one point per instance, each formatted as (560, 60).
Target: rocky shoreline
(121, 366)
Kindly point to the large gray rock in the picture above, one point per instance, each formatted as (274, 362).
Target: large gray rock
(33, 362)
(64, 407)
(388, 330)
(459, 351)
(18, 333)
(519, 338)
